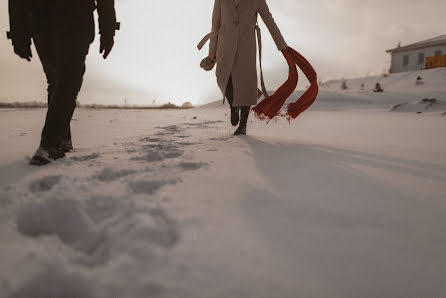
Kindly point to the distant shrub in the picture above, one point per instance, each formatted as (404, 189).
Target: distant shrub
(23, 105)
(38, 105)
(169, 106)
(187, 105)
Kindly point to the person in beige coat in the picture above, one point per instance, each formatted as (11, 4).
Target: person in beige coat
(233, 47)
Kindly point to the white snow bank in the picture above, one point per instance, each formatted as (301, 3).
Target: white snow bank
(424, 105)
(398, 88)
(403, 82)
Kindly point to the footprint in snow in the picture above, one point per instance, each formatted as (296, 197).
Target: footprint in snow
(212, 122)
(164, 133)
(159, 152)
(149, 187)
(172, 128)
(63, 284)
(150, 139)
(150, 156)
(173, 154)
(161, 146)
(202, 124)
(65, 219)
(165, 232)
(44, 184)
(192, 166)
(100, 208)
(86, 157)
(219, 139)
(186, 143)
(108, 174)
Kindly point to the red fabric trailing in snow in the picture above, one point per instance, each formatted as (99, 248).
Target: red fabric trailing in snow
(271, 106)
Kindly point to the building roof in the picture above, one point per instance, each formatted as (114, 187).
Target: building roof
(432, 42)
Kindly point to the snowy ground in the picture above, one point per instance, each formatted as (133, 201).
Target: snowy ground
(347, 201)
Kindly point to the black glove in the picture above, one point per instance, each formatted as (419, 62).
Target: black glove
(207, 63)
(22, 48)
(107, 42)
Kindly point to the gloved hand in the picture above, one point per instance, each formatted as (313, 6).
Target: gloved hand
(107, 42)
(208, 63)
(23, 49)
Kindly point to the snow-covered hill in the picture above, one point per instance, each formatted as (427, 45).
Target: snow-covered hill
(399, 88)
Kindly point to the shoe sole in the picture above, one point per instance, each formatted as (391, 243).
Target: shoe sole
(39, 161)
(239, 133)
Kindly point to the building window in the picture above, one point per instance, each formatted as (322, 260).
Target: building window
(405, 60)
(438, 53)
(420, 58)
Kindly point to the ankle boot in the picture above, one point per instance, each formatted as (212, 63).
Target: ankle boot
(244, 113)
(44, 156)
(66, 146)
(235, 115)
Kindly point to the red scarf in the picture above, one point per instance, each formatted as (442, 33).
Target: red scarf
(271, 106)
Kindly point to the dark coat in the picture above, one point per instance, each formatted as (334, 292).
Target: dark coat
(68, 17)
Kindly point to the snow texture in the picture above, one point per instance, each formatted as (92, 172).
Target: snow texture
(346, 201)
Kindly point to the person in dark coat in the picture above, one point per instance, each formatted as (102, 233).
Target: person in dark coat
(62, 31)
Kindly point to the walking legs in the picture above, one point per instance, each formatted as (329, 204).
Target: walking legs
(241, 130)
(235, 111)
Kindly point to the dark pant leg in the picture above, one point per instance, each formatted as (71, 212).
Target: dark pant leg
(230, 92)
(71, 52)
(45, 43)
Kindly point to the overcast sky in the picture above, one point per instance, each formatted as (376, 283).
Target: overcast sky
(155, 56)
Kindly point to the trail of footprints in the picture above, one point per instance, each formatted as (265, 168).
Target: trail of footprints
(166, 144)
(52, 205)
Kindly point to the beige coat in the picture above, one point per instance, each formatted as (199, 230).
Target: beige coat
(233, 42)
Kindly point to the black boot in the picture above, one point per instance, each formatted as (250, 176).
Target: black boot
(66, 146)
(44, 156)
(244, 113)
(235, 111)
(235, 115)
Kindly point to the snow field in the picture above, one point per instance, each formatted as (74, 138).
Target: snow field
(347, 201)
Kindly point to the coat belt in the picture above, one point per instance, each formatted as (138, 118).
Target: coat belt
(259, 41)
(205, 39)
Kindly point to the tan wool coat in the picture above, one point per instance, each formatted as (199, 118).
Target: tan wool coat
(233, 43)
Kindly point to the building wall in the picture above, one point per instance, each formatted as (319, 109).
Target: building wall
(398, 59)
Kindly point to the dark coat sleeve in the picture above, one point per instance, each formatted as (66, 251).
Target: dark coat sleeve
(107, 17)
(19, 22)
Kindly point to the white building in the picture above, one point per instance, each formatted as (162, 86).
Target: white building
(413, 56)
